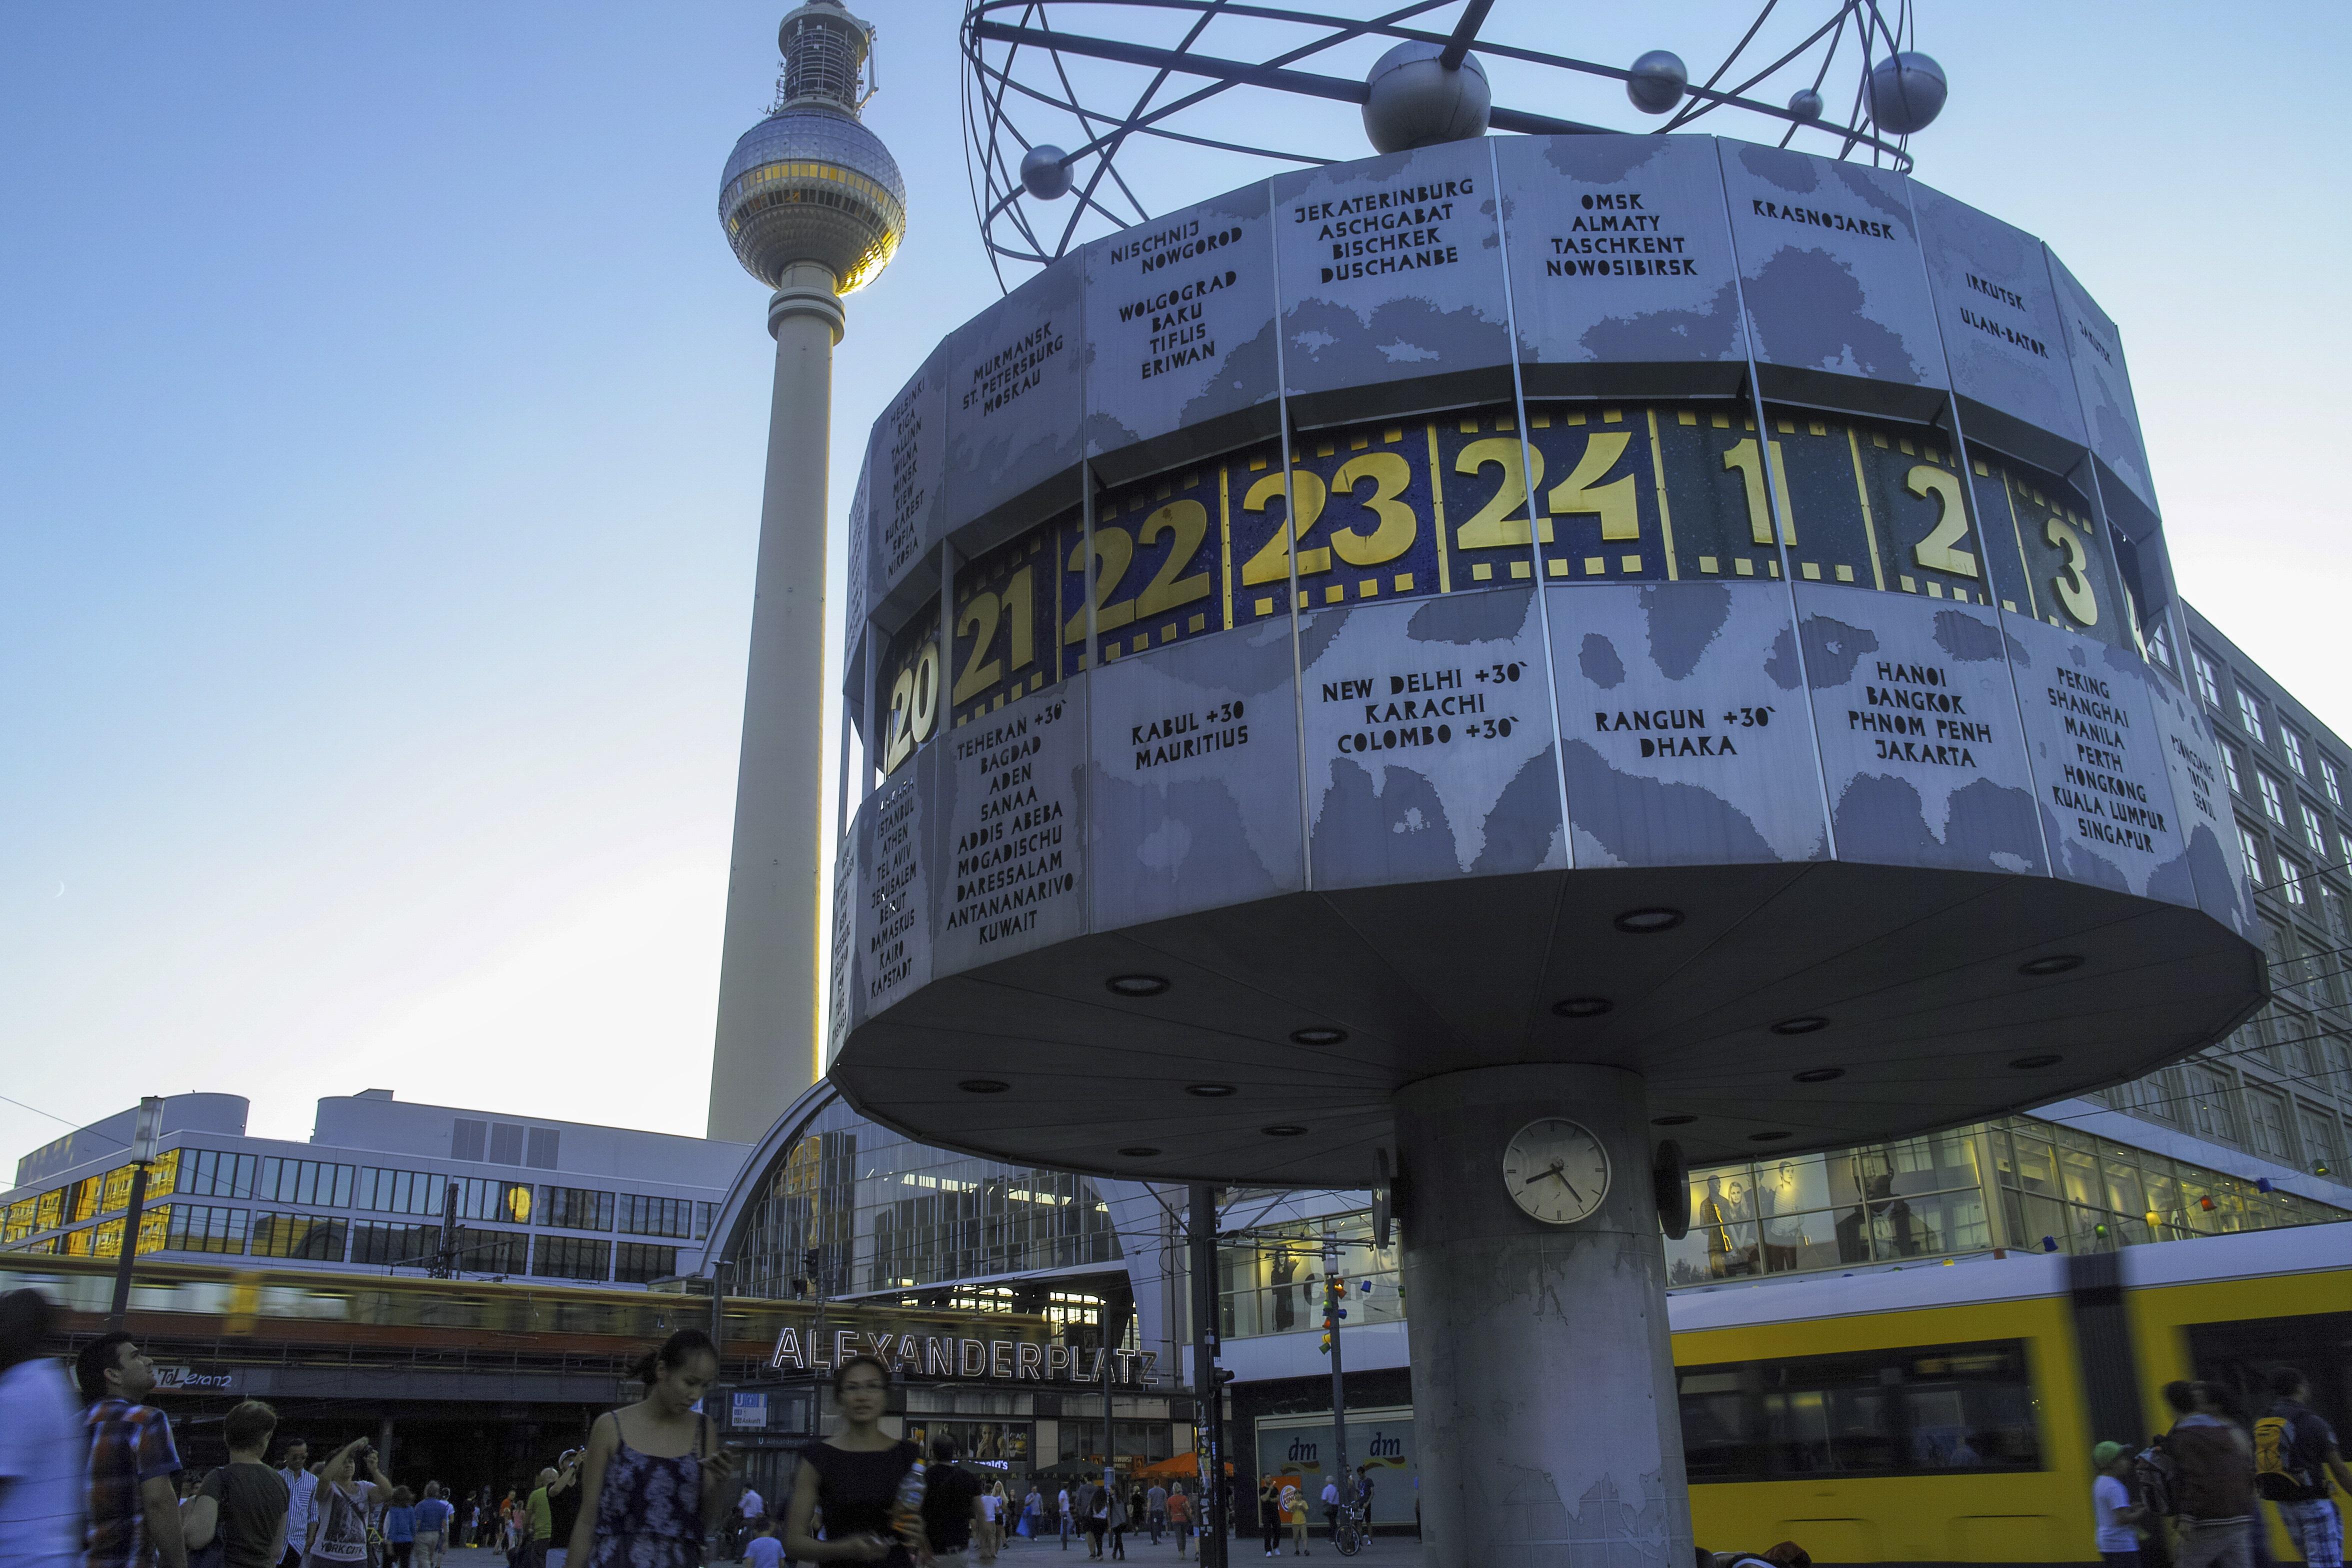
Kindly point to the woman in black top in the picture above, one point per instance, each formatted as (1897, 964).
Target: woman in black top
(854, 1475)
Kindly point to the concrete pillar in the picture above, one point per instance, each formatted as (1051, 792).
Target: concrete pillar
(1544, 1404)
(770, 998)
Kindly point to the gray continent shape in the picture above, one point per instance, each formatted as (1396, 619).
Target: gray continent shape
(1683, 620)
(1832, 324)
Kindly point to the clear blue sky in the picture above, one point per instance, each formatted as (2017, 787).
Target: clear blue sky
(380, 447)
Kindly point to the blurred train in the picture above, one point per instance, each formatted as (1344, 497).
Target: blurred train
(1946, 1413)
(292, 1310)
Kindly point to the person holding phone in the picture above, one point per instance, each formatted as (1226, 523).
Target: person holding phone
(655, 1472)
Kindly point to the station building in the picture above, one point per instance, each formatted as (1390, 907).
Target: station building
(535, 1198)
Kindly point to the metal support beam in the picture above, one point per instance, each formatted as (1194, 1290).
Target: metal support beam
(1465, 33)
(1307, 84)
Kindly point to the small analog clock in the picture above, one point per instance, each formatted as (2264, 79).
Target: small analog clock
(1556, 1170)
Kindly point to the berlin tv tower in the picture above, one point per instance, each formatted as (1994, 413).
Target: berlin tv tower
(814, 208)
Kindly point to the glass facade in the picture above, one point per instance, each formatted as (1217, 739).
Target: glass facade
(881, 1212)
(2017, 1182)
(79, 1210)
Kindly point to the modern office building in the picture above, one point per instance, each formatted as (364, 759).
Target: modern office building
(534, 1197)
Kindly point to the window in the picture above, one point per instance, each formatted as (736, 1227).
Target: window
(2291, 881)
(702, 1216)
(2332, 782)
(2209, 1105)
(2229, 765)
(83, 1196)
(18, 1221)
(398, 1192)
(2314, 832)
(2208, 687)
(2159, 644)
(212, 1173)
(492, 1251)
(2249, 713)
(298, 1236)
(2336, 925)
(570, 1258)
(541, 1155)
(49, 1209)
(2293, 745)
(1928, 1409)
(2252, 848)
(506, 1143)
(506, 1202)
(642, 1216)
(2273, 804)
(2266, 1118)
(575, 1208)
(635, 1263)
(2320, 1154)
(469, 1140)
(304, 1181)
(409, 1245)
(199, 1229)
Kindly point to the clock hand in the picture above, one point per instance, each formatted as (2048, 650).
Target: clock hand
(1564, 1182)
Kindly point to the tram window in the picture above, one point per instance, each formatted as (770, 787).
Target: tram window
(1924, 1409)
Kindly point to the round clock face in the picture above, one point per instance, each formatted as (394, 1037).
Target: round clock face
(1556, 1170)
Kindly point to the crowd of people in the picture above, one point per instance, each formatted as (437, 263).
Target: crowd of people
(95, 1481)
(2192, 1496)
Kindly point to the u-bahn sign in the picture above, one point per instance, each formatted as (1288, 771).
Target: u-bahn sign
(1646, 600)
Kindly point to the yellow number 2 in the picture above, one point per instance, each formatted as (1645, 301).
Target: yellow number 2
(1940, 551)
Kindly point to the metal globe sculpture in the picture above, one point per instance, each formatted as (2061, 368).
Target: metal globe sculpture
(810, 183)
(1417, 100)
(1044, 172)
(1907, 93)
(1126, 93)
(1659, 81)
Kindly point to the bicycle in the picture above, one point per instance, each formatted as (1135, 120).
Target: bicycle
(1355, 1532)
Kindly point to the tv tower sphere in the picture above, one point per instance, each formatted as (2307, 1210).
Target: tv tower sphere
(814, 208)
(810, 183)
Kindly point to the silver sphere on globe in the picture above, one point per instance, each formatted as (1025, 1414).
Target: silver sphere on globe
(1658, 82)
(813, 184)
(1416, 102)
(1805, 103)
(1907, 93)
(1044, 172)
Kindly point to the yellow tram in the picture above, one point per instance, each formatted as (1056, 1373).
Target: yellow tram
(1946, 1413)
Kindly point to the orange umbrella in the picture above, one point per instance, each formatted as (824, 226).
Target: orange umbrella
(1181, 1468)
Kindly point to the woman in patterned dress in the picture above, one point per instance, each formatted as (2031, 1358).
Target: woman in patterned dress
(655, 1470)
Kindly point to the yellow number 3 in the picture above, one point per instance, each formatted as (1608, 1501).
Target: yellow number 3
(2073, 589)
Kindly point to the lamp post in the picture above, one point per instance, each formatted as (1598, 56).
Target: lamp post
(144, 1132)
(1334, 1293)
(1208, 1379)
